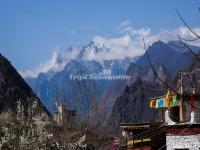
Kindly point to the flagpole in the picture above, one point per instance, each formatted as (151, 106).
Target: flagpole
(180, 90)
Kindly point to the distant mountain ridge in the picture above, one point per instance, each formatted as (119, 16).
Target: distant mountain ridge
(170, 55)
(166, 59)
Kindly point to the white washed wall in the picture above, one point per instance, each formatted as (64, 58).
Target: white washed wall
(191, 141)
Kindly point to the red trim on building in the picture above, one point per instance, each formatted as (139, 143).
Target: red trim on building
(183, 131)
(143, 148)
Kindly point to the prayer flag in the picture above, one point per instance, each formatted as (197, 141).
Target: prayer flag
(167, 100)
(160, 103)
(154, 103)
(164, 102)
(157, 105)
(170, 98)
(151, 104)
(175, 100)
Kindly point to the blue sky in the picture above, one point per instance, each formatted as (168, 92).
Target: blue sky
(31, 29)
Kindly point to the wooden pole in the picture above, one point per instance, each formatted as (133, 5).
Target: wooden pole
(182, 109)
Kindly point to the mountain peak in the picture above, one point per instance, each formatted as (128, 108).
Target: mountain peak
(158, 43)
(90, 51)
(162, 53)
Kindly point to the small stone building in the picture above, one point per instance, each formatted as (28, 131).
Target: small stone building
(63, 116)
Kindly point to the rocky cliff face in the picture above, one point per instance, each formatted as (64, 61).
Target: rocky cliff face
(146, 73)
(111, 95)
(133, 104)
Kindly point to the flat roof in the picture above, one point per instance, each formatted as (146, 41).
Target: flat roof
(139, 125)
(184, 125)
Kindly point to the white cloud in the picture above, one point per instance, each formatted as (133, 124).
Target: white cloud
(129, 44)
(56, 63)
(72, 32)
(170, 35)
(119, 48)
(125, 23)
(50, 65)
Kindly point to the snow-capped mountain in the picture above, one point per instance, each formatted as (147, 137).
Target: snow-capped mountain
(77, 59)
(92, 51)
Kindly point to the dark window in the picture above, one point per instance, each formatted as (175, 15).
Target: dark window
(174, 114)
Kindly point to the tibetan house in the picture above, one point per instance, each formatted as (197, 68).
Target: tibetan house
(179, 130)
(143, 136)
(180, 127)
(182, 120)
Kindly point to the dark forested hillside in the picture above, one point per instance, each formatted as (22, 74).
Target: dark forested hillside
(13, 88)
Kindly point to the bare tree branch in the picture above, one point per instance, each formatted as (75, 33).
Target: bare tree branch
(184, 22)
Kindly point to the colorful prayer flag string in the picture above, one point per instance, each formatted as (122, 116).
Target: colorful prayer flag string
(169, 100)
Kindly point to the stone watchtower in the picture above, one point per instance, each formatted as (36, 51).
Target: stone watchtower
(63, 116)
